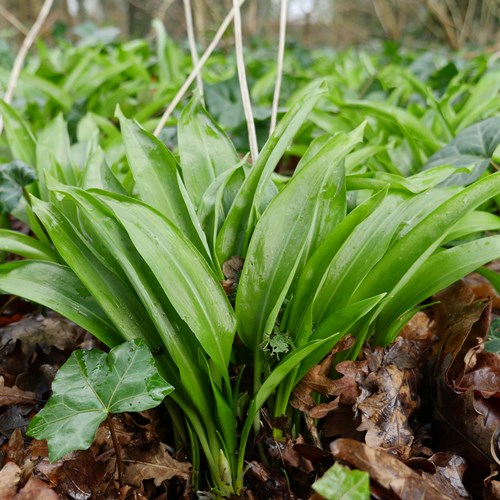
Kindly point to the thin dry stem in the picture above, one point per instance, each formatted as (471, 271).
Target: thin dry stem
(12, 19)
(23, 51)
(279, 69)
(197, 68)
(245, 94)
(192, 43)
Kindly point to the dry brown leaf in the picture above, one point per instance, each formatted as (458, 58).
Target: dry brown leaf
(14, 395)
(10, 475)
(390, 472)
(387, 401)
(36, 489)
(466, 421)
(39, 332)
(156, 464)
(232, 270)
(317, 381)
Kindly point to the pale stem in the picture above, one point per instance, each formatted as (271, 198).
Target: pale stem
(197, 68)
(23, 51)
(12, 19)
(192, 43)
(279, 68)
(245, 95)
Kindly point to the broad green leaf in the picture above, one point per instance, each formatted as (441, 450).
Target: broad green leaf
(14, 176)
(57, 287)
(437, 272)
(114, 246)
(341, 483)
(21, 140)
(184, 275)
(293, 226)
(473, 147)
(205, 150)
(98, 175)
(237, 227)
(411, 251)
(92, 385)
(109, 290)
(155, 173)
(411, 127)
(26, 246)
(473, 223)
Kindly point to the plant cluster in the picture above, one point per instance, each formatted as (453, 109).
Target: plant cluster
(392, 200)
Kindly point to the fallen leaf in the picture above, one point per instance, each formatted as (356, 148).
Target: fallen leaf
(10, 475)
(466, 422)
(155, 464)
(232, 271)
(392, 474)
(317, 381)
(36, 489)
(39, 332)
(387, 401)
(14, 395)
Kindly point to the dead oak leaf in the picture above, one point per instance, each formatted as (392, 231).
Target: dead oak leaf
(317, 381)
(35, 489)
(39, 332)
(388, 399)
(155, 464)
(13, 395)
(10, 475)
(389, 472)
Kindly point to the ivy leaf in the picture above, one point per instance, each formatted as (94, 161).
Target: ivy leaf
(473, 147)
(90, 386)
(13, 177)
(492, 343)
(339, 483)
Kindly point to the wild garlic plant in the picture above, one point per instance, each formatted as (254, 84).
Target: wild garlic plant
(325, 255)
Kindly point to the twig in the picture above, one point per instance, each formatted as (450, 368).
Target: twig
(23, 51)
(279, 69)
(13, 20)
(192, 43)
(116, 446)
(245, 94)
(189, 80)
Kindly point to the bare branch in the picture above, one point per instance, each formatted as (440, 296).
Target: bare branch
(12, 19)
(189, 80)
(245, 94)
(23, 51)
(192, 43)
(279, 64)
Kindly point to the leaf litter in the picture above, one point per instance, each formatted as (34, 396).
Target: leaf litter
(421, 417)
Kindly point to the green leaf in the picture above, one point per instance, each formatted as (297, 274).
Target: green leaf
(26, 246)
(57, 287)
(14, 176)
(21, 140)
(293, 226)
(473, 147)
(235, 232)
(492, 343)
(184, 275)
(492, 276)
(205, 150)
(341, 483)
(157, 180)
(90, 386)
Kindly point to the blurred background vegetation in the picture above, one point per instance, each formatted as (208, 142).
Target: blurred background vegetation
(338, 23)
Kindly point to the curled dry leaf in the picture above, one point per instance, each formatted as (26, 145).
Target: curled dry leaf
(460, 377)
(317, 381)
(232, 271)
(39, 332)
(13, 395)
(390, 473)
(155, 464)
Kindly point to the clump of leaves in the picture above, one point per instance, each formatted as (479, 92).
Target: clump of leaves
(90, 387)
